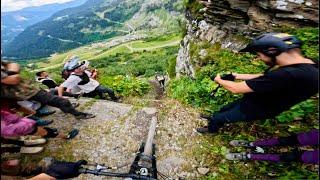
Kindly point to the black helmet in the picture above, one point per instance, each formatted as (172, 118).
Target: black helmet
(273, 44)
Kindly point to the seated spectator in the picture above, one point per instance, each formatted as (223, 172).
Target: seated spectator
(48, 168)
(68, 68)
(14, 126)
(15, 87)
(82, 79)
(43, 78)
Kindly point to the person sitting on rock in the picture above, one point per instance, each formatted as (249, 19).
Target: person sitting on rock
(48, 168)
(43, 78)
(12, 125)
(17, 88)
(82, 79)
(67, 68)
(310, 138)
(267, 95)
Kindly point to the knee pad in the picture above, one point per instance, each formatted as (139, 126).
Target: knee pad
(289, 157)
(288, 141)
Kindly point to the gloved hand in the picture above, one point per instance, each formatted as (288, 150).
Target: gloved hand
(229, 77)
(212, 77)
(65, 170)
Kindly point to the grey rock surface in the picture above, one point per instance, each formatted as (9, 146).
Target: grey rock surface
(114, 136)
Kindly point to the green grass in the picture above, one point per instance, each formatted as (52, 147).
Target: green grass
(119, 66)
(90, 53)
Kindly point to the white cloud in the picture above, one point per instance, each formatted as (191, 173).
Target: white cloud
(20, 18)
(13, 5)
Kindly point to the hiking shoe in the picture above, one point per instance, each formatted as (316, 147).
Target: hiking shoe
(203, 130)
(237, 156)
(117, 100)
(51, 132)
(41, 122)
(78, 96)
(44, 112)
(32, 142)
(31, 150)
(205, 116)
(85, 116)
(241, 143)
(73, 133)
(75, 104)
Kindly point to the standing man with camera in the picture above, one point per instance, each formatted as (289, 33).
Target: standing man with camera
(267, 95)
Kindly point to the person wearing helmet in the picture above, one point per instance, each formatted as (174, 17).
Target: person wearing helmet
(267, 95)
(14, 87)
(69, 67)
(81, 78)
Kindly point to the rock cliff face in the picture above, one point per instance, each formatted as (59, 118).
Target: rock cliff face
(231, 23)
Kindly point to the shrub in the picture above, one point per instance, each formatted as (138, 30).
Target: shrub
(144, 64)
(301, 110)
(125, 85)
(171, 68)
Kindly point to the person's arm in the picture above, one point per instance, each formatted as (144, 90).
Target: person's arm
(234, 87)
(11, 80)
(94, 74)
(245, 76)
(68, 83)
(60, 90)
(42, 176)
(68, 90)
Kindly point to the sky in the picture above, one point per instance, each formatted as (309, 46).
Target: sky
(13, 5)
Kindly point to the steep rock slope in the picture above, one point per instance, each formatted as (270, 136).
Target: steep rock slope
(231, 23)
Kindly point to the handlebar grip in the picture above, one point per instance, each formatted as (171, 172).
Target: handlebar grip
(212, 77)
(82, 171)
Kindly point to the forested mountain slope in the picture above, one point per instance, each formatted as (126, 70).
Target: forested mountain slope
(14, 22)
(93, 21)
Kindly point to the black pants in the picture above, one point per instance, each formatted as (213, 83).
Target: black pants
(46, 98)
(55, 92)
(100, 91)
(231, 113)
(12, 141)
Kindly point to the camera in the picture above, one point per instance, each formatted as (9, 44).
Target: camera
(228, 77)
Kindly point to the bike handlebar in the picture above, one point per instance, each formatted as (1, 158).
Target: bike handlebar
(123, 175)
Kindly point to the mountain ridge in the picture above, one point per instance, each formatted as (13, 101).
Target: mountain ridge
(14, 22)
(94, 21)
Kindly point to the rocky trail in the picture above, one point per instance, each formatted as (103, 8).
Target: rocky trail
(114, 136)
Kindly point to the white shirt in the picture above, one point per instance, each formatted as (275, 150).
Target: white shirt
(73, 80)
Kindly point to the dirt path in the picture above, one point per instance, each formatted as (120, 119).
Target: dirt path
(115, 134)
